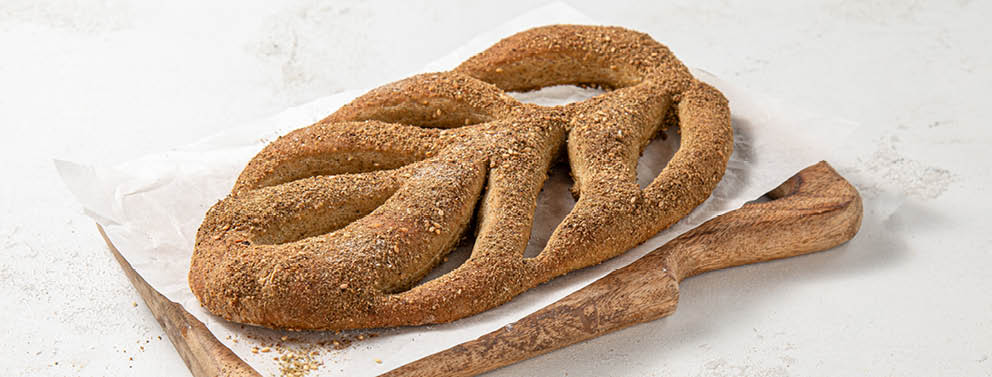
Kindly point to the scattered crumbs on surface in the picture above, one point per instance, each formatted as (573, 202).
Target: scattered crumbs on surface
(378, 361)
(295, 360)
(298, 355)
(134, 304)
(298, 361)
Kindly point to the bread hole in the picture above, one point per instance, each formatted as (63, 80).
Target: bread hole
(452, 261)
(554, 202)
(761, 199)
(454, 258)
(557, 94)
(656, 155)
(556, 68)
(459, 254)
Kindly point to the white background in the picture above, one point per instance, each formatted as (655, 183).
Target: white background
(87, 80)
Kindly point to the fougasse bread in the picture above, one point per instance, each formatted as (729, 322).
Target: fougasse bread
(332, 226)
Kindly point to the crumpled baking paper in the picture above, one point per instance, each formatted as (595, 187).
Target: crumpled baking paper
(151, 207)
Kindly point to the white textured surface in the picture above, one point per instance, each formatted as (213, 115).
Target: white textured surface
(85, 81)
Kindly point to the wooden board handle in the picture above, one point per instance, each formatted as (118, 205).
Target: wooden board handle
(814, 210)
(205, 356)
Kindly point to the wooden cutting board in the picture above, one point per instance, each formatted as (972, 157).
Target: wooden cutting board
(814, 210)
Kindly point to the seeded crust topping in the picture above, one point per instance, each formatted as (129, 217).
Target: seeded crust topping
(331, 226)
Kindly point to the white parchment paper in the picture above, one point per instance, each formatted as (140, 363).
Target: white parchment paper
(151, 208)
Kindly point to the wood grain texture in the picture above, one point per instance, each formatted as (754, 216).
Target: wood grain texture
(814, 210)
(203, 353)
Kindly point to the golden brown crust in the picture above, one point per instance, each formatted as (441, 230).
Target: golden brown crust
(329, 226)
